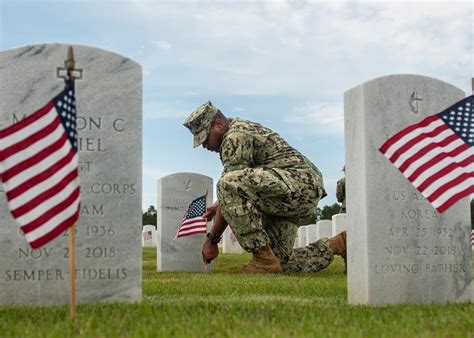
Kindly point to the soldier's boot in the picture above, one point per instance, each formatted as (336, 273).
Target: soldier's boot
(263, 261)
(337, 244)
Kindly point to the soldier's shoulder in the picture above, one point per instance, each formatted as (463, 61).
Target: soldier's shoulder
(238, 124)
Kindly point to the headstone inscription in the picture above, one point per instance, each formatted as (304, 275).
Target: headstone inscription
(339, 224)
(149, 236)
(108, 250)
(400, 250)
(324, 229)
(230, 242)
(175, 193)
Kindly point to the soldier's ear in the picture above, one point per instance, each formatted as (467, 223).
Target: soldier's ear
(219, 124)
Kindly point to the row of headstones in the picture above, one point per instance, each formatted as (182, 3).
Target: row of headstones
(306, 234)
(399, 249)
(228, 243)
(322, 229)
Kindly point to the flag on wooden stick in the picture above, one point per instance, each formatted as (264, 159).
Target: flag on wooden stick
(147, 235)
(193, 223)
(39, 169)
(436, 155)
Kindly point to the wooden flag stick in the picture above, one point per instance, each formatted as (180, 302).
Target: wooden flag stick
(72, 274)
(472, 85)
(70, 65)
(205, 209)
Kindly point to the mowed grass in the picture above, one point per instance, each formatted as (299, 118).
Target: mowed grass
(219, 304)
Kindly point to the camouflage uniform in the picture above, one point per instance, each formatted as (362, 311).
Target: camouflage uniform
(341, 194)
(268, 189)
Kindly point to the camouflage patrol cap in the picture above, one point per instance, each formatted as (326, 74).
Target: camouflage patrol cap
(199, 122)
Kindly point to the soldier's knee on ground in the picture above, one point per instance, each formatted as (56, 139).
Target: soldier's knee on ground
(312, 258)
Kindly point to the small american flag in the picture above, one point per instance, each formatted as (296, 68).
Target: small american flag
(39, 169)
(436, 154)
(193, 223)
(147, 235)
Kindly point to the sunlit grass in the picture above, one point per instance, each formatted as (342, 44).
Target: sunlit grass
(222, 304)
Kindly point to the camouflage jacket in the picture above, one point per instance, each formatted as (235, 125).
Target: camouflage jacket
(341, 190)
(248, 144)
(341, 194)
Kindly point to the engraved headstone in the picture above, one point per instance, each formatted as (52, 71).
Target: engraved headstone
(230, 242)
(109, 123)
(339, 224)
(324, 229)
(175, 193)
(400, 250)
(149, 236)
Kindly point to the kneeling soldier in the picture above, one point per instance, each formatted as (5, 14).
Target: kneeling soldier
(267, 189)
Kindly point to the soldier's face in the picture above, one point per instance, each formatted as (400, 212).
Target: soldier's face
(214, 138)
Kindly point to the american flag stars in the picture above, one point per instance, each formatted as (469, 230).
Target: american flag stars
(461, 121)
(193, 222)
(66, 108)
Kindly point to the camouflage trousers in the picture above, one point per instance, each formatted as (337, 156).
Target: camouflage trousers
(265, 207)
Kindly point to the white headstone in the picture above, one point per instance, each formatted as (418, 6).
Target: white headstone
(230, 243)
(400, 250)
(311, 233)
(302, 236)
(109, 122)
(324, 229)
(339, 224)
(297, 239)
(149, 236)
(175, 193)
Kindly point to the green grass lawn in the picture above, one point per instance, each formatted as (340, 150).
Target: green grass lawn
(220, 304)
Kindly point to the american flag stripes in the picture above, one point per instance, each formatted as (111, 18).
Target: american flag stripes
(193, 223)
(436, 154)
(39, 169)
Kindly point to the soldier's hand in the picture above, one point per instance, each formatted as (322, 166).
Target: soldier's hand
(211, 211)
(209, 251)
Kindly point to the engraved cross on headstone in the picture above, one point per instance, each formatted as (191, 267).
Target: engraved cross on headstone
(413, 102)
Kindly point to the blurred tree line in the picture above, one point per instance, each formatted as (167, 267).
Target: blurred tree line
(149, 216)
(327, 211)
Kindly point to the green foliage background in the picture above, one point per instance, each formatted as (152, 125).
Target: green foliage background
(149, 216)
